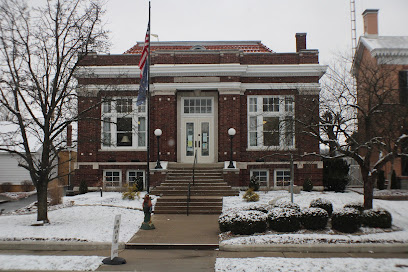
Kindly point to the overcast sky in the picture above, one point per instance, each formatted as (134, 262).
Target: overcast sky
(326, 22)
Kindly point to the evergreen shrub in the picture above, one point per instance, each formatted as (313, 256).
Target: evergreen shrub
(381, 180)
(288, 205)
(314, 218)
(308, 185)
(346, 220)
(335, 175)
(377, 218)
(357, 206)
(395, 182)
(284, 220)
(254, 183)
(225, 220)
(243, 222)
(265, 208)
(83, 187)
(323, 204)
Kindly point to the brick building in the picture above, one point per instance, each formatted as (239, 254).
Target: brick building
(198, 91)
(381, 70)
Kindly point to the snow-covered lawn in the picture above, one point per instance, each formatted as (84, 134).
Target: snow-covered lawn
(309, 264)
(51, 263)
(398, 209)
(87, 218)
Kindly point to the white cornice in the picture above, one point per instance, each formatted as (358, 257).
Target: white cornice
(222, 87)
(234, 69)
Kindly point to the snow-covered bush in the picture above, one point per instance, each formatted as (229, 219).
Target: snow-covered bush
(251, 196)
(243, 222)
(346, 220)
(288, 205)
(323, 204)
(377, 218)
(225, 220)
(284, 220)
(314, 218)
(358, 206)
(259, 207)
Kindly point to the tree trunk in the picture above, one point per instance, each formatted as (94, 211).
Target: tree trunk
(42, 214)
(368, 190)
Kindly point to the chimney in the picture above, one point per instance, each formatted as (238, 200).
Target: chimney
(300, 41)
(69, 135)
(370, 17)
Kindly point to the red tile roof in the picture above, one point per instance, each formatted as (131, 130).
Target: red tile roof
(244, 46)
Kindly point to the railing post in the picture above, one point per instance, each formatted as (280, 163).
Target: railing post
(188, 197)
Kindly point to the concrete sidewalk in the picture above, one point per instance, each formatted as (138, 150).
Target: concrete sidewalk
(180, 229)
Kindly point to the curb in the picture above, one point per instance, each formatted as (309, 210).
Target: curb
(320, 248)
(163, 246)
(53, 245)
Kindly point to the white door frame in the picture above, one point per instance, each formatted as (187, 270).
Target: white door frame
(197, 119)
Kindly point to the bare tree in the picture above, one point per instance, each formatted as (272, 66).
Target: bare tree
(364, 120)
(40, 49)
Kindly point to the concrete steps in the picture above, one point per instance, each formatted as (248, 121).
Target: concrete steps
(205, 195)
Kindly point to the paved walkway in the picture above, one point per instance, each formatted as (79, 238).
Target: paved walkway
(180, 229)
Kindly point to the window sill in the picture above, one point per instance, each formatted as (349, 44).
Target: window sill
(122, 149)
(271, 148)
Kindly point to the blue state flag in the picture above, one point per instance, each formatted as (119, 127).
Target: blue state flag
(144, 84)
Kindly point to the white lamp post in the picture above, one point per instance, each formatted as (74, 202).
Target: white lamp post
(158, 132)
(231, 133)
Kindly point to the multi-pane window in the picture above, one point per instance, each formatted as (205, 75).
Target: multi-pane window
(123, 123)
(132, 175)
(263, 177)
(271, 121)
(112, 178)
(282, 177)
(197, 105)
(403, 87)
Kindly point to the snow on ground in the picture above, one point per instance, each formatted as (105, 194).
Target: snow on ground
(398, 209)
(309, 264)
(51, 263)
(87, 218)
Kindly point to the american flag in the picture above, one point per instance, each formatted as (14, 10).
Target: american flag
(144, 82)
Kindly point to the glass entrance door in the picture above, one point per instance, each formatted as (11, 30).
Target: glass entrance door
(197, 139)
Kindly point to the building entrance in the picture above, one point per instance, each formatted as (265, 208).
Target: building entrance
(197, 135)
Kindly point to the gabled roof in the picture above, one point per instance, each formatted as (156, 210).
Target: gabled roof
(244, 46)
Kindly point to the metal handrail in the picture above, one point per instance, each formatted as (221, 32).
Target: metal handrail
(194, 164)
(188, 197)
(189, 184)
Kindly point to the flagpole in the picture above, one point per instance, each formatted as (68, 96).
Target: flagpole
(148, 113)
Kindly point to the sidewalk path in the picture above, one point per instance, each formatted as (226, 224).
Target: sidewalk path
(180, 229)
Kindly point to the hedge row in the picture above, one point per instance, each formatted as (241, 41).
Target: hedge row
(288, 217)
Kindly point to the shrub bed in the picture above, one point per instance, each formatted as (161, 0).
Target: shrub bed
(357, 206)
(323, 204)
(376, 218)
(265, 208)
(284, 220)
(314, 218)
(347, 220)
(243, 222)
(288, 205)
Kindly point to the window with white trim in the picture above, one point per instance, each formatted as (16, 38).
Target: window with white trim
(133, 174)
(124, 124)
(271, 121)
(262, 175)
(282, 177)
(112, 178)
(197, 105)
